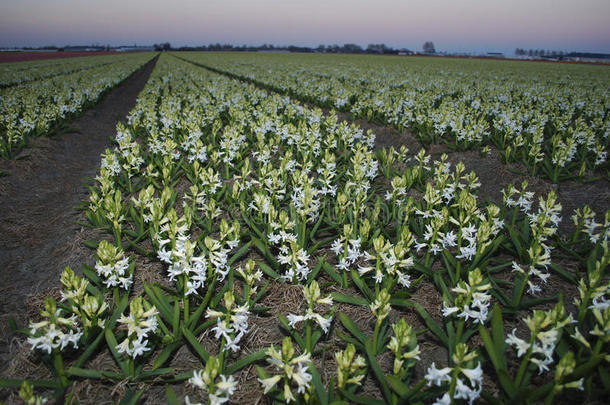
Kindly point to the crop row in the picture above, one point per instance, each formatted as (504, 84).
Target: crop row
(232, 192)
(36, 108)
(13, 74)
(554, 119)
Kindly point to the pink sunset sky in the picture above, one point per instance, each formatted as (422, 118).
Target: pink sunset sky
(453, 25)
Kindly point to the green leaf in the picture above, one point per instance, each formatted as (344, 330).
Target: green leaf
(204, 326)
(130, 398)
(540, 393)
(313, 274)
(194, 318)
(112, 375)
(604, 376)
(401, 302)
(507, 383)
(112, 344)
(171, 397)
(133, 213)
(249, 359)
(497, 356)
(422, 269)
(397, 385)
(165, 353)
(497, 331)
(450, 330)
(366, 291)
(93, 290)
(242, 251)
(515, 171)
(349, 339)
(259, 309)
(498, 267)
(592, 259)
(84, 373)
(251, 225)
(176, 318)
(564, 274)
(261, 372)
(261, 292)
(118, 311)
(585, 369)
(352, 328)
(491, 348)
(268, 271)
(192, 340)
(140, 249)
(317, 224)
(180, 377)
(315, 337)
(381, 338)
(91, 244)
(537, 301)
(218, 296)
(319, 243)
(515, 238)
(91, 275)
(332, 273)
(349, 299)
(154, 373)
(89, 351)
(359, 399)
(432, 325)
(449, 258)
(439, 281)
(160, 302)
(131, 233)
(487, 253)
(499, 294)
(321, 392)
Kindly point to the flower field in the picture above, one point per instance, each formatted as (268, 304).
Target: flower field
(254, 248)
(554, 119)
(37, 98)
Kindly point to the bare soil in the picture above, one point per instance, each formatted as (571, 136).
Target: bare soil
(38, 200)
(9, 57)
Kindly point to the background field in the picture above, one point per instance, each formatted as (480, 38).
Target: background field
(431, 202)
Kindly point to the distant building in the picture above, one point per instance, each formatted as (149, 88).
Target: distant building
(134, 48)
(405, 52)
(273, 51)
(587, 57)
(494, 55)
(87, 48)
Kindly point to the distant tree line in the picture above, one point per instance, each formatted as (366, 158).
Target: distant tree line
(335, 48)
(429, 47)
(166, 46)
(378, 49)
(45, 48)
(539, 53)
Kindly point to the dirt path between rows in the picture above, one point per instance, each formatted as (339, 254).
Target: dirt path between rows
(39, 234)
